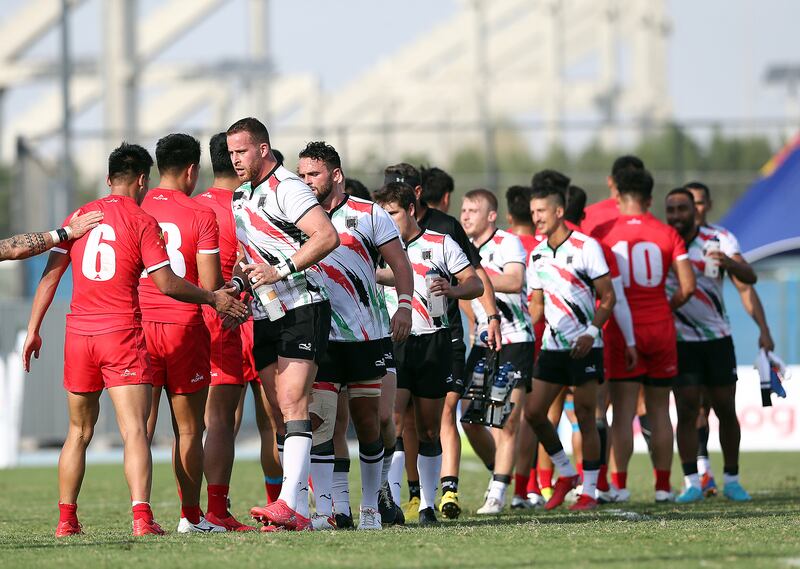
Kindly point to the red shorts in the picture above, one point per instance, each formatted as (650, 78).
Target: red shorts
(105, 360)
(180, 356)
(656, 344)
(226, 351)
(248, 361)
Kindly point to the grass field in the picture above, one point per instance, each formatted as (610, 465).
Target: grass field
(715, 533)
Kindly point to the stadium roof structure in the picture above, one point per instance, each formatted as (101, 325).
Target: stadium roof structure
(765, 217)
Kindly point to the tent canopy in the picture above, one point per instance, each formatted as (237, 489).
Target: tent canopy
(765, 219)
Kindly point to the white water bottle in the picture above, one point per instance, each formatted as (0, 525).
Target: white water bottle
(269, 300)
(437, 303)
(712, 265)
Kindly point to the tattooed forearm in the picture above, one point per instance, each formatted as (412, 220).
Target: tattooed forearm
(25, 245)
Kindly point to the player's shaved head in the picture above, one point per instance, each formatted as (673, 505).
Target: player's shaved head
(254, 127)
(127, 162)
(176, 152)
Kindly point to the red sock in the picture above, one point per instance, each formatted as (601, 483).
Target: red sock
(533, 482)
(191, 513)
(620, 479)
(521, 485)
(218, 500)
(67, 512)
(545, 478)
(579, 468)
(602, 478)
(273, 489)
(142, 511)
(662, 480)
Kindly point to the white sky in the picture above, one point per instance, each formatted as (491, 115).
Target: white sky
(719, 49)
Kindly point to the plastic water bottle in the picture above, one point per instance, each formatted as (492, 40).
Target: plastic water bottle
(269, 301)
(712, 264)
(437, 303)
(479, 374)
(500, 385)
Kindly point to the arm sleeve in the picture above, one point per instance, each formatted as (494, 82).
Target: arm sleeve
(295, 199)
(384, 228)
(461, 239)
(454, 258)
(207, 234)
(594, 260)
(151, 245)
(728, 244)
(512, 251)
(532, 276)
(622, 312)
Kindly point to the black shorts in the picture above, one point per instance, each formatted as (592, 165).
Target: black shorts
(556, 366)
(352, 362)
(458, 379)
(301, 334)
(711, 363)
(424, 364)
(519, 355)
(388, 355)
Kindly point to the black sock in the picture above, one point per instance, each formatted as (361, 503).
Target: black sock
(413, 489)
(602, 430)
(449, 484)
(689, 468)
(731, 470)
(702, 442)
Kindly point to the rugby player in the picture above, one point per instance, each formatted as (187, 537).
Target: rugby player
(646, 249)
(503, 258)
(177, 339)
(566, 275)
(424, 360)
(27, 245)
(284, 233)
(355, 354)
(105, 345)
(706, 357)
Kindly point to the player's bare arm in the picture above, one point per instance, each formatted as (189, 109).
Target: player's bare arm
(489, 304)
(322, 239)
(209, 271)
(536, 306)
(384, 276)
(686, 283)
(605, 294)
(223, 301)
(403, 277)
(752, 305)
(511, 280)
(469, 285)
(736, 266)
(57, 263)
(29, 244)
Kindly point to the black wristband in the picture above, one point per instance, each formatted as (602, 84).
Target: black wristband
(290, 264)
(62, 234)
(493, 317)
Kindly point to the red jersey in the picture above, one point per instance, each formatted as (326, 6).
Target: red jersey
(219, 200)
(189, 230)
(107, 263)
(645, 249)
(529, 242)
(599, 214)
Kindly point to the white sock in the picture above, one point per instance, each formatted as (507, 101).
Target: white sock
(704, 465)
(561, 460)
(590, 482)
(429, 466)
(341, 486)
(388, 454)
(730, 477)
(322, 477)
(296, 463)
(371, 460)
(497, 490)
(692, 480)
(396, 474)
(137, 502)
